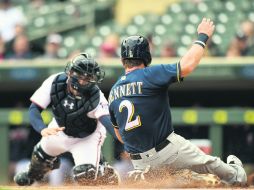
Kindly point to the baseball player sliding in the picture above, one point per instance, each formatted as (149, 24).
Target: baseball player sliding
(140, 110)
(80, 113)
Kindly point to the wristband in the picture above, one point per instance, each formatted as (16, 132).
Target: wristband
(202, 37)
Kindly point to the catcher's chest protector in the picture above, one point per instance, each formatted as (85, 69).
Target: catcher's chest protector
(71, 112)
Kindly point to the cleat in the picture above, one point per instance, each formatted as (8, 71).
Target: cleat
(241, 177)
(231, 159)
(22, 179)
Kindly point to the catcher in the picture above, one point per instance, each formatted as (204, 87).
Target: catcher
(140, 111)
(80, 116)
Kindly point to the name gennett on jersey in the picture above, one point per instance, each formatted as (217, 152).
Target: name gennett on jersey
(125, 90)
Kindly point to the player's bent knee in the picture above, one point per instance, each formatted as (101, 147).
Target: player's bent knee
(85, 174)
(41, 157)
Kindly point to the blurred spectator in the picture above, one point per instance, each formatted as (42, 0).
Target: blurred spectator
(10, 17)
(113, 39)
(238, 46)
(243, 43)
(73, 54)
(21, 48)
(196, 1)
(247, 28)
(19, 30)
(53, 44)
(149, 37)
(168, 50)
(36, 4)
(109, 46)
(107, 50)
(212, 49)
(233, 49)
(2, 49)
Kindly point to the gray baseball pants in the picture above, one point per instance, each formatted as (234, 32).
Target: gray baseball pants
(182, 154)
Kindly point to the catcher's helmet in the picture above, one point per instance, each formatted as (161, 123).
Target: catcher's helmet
(85, 68)
(136, 47)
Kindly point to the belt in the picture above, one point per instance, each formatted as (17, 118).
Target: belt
(157, 148)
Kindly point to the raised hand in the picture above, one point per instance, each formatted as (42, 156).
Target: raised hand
(206, 27)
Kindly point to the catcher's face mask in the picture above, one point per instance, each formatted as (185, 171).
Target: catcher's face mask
(83, 72)
(80, 83)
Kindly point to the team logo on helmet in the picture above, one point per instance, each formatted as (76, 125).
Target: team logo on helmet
(136, 47)
(130, 53)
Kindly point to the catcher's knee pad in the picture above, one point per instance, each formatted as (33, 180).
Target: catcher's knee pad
(41, 163)
(85, 174)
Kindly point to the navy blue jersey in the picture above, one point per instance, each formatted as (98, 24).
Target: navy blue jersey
(139, 106)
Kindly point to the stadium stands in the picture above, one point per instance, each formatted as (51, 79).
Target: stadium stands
(75, 19)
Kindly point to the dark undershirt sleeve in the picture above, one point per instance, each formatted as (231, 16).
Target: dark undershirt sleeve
(35, 118)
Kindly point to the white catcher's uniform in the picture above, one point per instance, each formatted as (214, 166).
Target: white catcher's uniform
(84, 150)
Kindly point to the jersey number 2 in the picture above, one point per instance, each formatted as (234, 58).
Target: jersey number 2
(130, 123)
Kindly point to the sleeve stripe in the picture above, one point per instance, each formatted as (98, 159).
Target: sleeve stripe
(178, 71)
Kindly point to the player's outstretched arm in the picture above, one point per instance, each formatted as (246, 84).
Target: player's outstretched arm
(193, 56)
(35, 117)
(38, 124)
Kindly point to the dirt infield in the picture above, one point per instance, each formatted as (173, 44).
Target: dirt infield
(105, 188)
(184, 179)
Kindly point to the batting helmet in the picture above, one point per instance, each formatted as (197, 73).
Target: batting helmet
(136, 47)
(86, 68)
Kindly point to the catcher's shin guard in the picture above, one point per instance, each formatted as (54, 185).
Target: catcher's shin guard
(41, 163)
